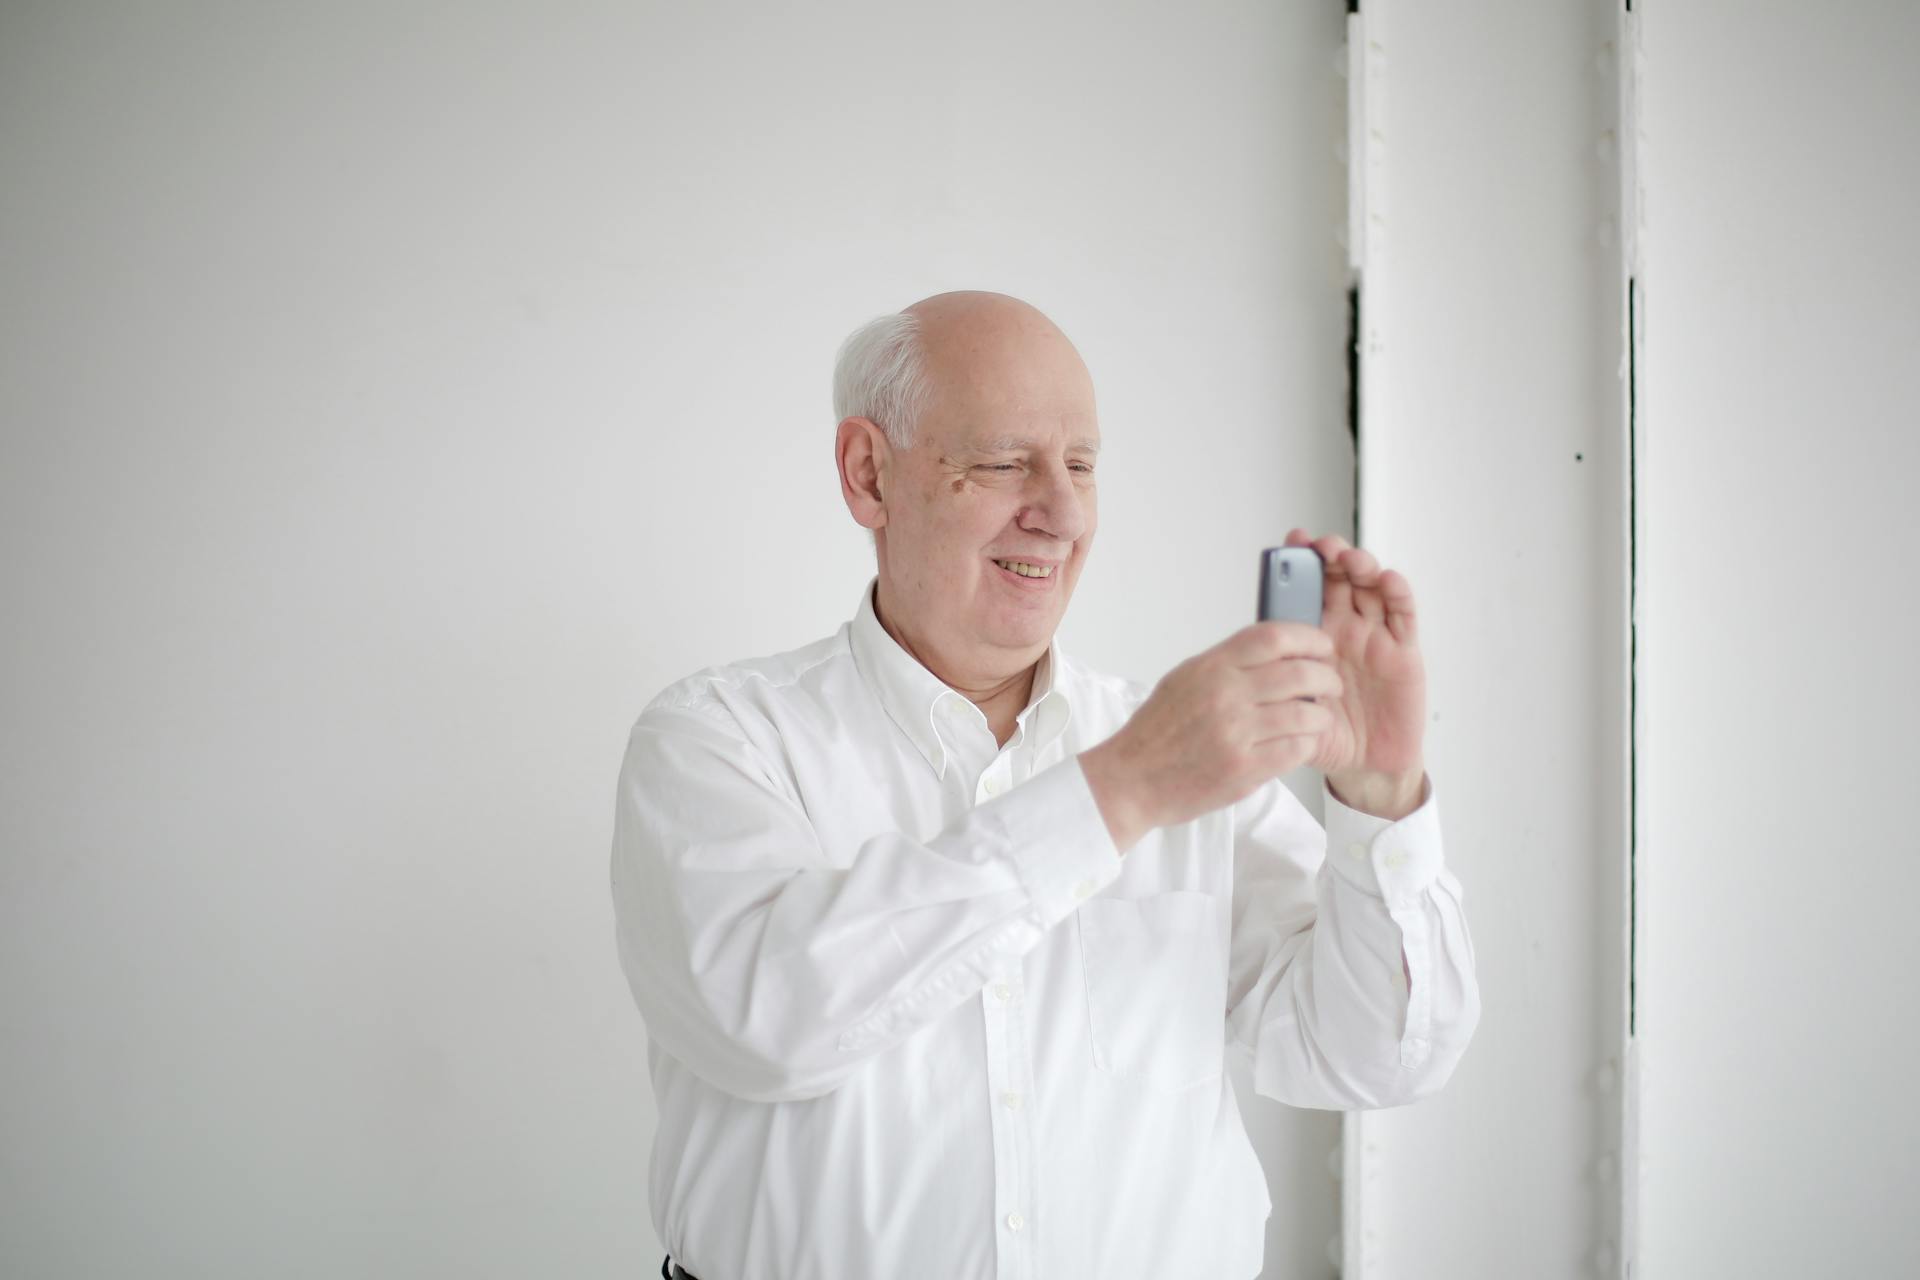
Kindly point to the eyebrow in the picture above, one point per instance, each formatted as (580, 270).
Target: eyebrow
(1013, 444)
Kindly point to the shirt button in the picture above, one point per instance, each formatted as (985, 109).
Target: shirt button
(1015, 1221)
(1084, 889)
(995, 785)
(1396, 859)
(1002, 992)
(1356, 850)
(1011, 1099)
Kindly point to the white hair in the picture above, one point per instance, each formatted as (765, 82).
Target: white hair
(881, 373)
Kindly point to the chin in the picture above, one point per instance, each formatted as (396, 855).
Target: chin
(1031, 632)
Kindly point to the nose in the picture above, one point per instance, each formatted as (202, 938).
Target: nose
(1055, 505)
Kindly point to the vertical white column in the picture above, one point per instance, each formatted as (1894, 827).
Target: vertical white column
(1367, 235)
(1627, 66)
(1493, 471)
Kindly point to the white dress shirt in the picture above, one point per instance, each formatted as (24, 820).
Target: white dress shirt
(910, 1013)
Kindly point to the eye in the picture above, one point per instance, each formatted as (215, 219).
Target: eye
(997, 466)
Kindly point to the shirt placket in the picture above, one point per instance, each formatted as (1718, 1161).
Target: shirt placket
(1010, 1072)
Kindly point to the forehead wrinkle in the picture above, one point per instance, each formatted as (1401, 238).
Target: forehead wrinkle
(1012, 444)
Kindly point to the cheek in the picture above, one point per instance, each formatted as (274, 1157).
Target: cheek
(956, 534)
(981, 516)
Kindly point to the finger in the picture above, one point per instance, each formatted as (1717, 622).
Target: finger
(1396, 593)
(1367, 603)
(1260, 642)
(1338, 597)
(1363, 572)
(1330, 547)
(1289, 719)
(1292, 678)
(1299, 538)
(1359, 564)
(1285, 754)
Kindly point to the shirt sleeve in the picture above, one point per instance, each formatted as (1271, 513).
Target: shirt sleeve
(774, 967)
(1321, 922)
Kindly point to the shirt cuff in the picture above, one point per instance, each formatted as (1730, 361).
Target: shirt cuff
(1057, 841)
(1394, 860)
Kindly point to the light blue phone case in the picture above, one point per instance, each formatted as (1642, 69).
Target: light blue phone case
(1291, 585)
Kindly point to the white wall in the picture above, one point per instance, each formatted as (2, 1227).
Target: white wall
(393, 398)
(1780, 1127)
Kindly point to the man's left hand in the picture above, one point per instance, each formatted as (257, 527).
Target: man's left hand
(1371, 754)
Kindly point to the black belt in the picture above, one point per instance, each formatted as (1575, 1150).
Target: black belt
(671, 1270)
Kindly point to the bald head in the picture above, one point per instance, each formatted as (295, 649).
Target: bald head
(977, 308)
(980, 346)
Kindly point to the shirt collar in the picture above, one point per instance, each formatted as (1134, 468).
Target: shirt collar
(923, 706)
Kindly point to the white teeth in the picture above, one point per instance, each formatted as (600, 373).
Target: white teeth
(1026, 570)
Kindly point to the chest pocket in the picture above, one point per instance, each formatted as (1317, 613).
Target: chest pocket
(1156, 979)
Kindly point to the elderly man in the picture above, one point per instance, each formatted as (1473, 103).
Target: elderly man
(940, 938)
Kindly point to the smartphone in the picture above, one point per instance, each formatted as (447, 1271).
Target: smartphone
(1291, 584)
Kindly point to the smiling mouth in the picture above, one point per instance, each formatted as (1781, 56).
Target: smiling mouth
(1026, 570)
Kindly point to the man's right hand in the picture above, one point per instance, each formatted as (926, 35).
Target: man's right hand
(1215, 728)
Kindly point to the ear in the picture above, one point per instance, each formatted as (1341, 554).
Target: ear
(864, 457)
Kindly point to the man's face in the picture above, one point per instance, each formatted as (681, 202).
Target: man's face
(993, 508)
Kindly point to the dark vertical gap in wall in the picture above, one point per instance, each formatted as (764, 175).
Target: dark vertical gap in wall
(1353, 6)
(1353, 395)
(1633, 644)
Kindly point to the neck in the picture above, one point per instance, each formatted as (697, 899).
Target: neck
(1000, 698)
